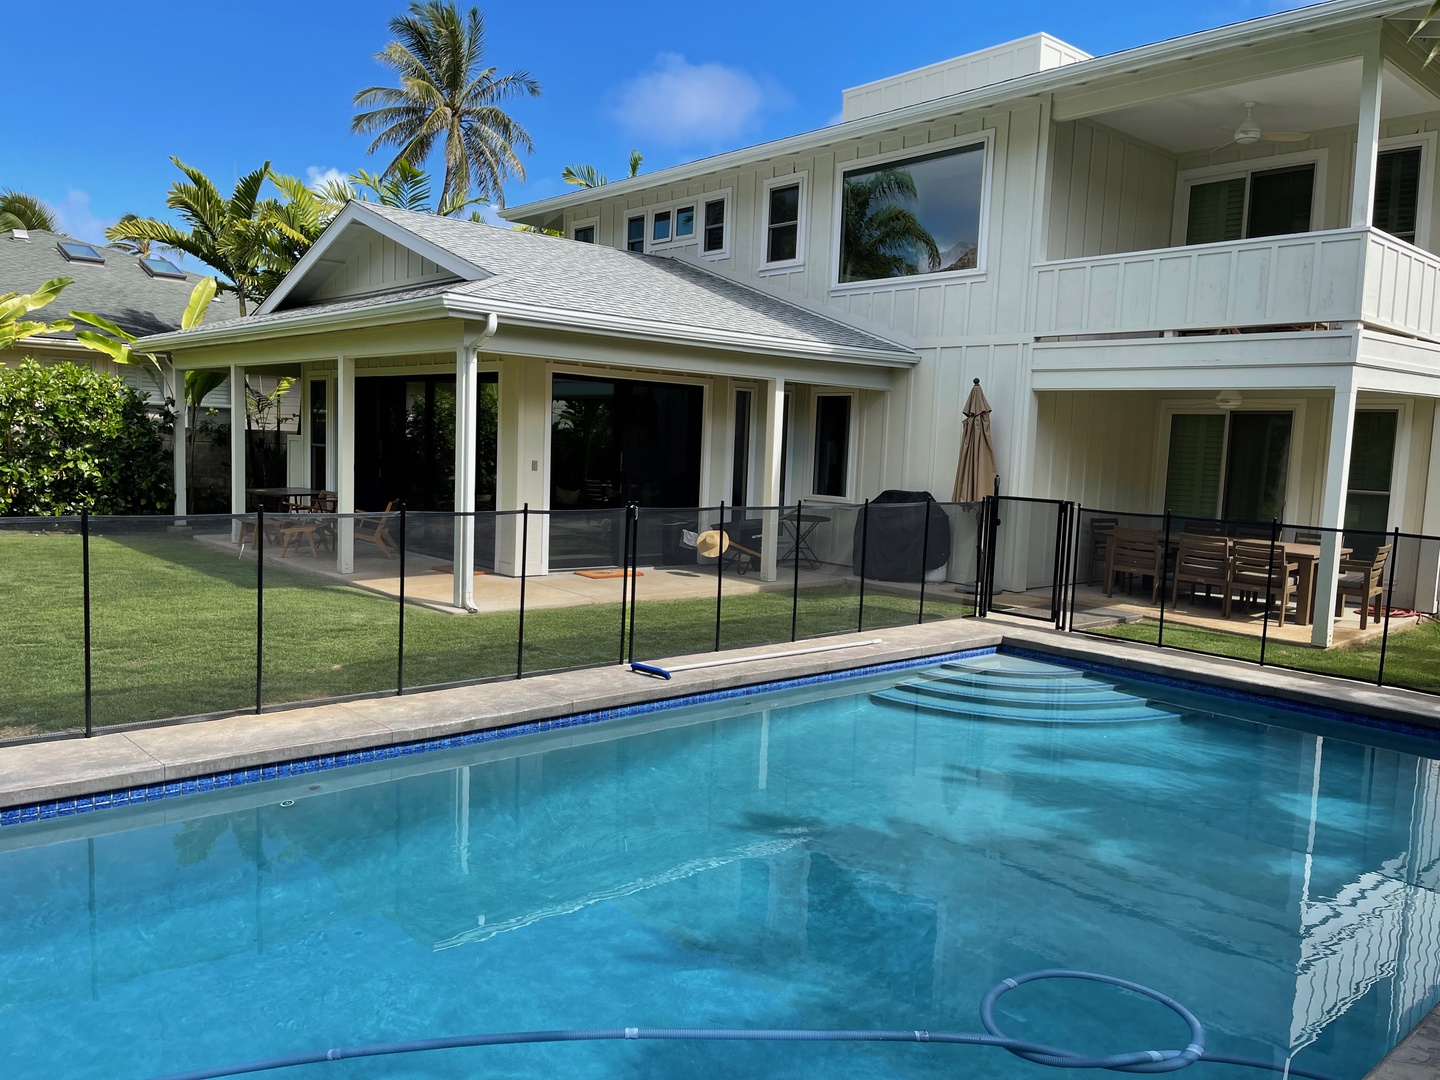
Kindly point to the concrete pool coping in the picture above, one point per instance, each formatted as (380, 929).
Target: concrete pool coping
(43, 772)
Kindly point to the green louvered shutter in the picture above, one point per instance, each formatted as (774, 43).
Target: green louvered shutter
(1217, 211)
(1397, 192)
(1192, 479)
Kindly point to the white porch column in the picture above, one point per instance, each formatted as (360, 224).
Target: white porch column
(1367, 138)
(1427, 578)
(1332, 508)
(772, 395)
(182, 416)
(237, 446)
(343, 428)
(467, 389)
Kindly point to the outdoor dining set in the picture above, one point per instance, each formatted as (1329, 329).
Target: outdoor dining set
(1241, 562)
(307, 516)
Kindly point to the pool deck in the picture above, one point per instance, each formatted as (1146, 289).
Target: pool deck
(1418, 1055)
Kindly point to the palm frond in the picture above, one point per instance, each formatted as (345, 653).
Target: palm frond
(26, 211)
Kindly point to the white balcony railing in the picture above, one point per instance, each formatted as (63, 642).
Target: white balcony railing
(1341, 275)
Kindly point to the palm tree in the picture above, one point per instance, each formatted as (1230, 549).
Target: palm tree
(587, 176)
(445, 96)
(21, 211)
(879, 236)
(228, 235)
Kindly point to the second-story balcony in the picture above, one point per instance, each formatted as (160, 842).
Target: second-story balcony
(1291, 282)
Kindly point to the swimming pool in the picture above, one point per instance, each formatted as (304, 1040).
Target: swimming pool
(868, 853)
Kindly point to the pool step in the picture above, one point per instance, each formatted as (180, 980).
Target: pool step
(1128, 709)
(1064, 699)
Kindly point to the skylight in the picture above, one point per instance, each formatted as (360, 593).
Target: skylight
(77, 252)
(155, 266)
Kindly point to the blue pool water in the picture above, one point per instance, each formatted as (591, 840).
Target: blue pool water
(875, 852)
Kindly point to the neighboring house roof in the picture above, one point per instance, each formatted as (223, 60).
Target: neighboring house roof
(120, 290)
(1129, 63)
(539, 279)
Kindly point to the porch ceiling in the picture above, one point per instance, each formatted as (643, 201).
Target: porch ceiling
(1309, 100)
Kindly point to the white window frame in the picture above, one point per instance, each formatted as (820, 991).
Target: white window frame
(1293, 476)
(984, 138)
(631, 215)
(1236, 169)
(696, 239)
(802, 180)
(1426, 141)
(586, 223)
(851, 442)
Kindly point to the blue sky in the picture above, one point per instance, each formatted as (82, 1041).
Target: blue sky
(227, 86)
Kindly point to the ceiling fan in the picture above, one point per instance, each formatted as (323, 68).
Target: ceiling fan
(1249, 132)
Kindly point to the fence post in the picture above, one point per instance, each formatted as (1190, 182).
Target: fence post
(980, 520)
(1075, 577)
(1269, 588)
(1389, 602)
(795, 588)
(719, 573)
(85, 574)
(1164, 569)
(400, 645)
(924, 560)
(624, 581)
(634, 573)
(524, 562)
(259, 608)
(864, 543)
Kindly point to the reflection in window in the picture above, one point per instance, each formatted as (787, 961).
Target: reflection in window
(635, 234)
(660, 231)
(783, 227)
(832, 444)
(1372, 461)
(684, 222)
(920, 216)
(1397, 192)
(585, 234)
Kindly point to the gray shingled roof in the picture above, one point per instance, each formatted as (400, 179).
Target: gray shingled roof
(121, 290)
(553, 272)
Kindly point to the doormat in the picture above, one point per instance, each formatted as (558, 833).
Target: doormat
(449, 568)
(608, 573)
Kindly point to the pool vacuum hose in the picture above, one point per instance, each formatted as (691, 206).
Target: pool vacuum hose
(1140, 1061)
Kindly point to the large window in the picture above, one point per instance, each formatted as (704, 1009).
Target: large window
(1272, 202)
(1231, 465)
(919, 215)
(1397, 192)
(714, 227)
(635, 234)
(1372, 460)
(832, 444)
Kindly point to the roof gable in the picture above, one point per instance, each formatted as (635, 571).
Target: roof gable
(364, 253)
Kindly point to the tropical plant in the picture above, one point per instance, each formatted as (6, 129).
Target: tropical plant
(587, 176)
(142, 247)
(264, 445)
(116, 342)
(446, 97)
(228, 235)
(879, 236)
(13, 306)
(74, 439)
(19, 210)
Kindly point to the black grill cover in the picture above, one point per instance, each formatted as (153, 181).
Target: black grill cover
(894, 541)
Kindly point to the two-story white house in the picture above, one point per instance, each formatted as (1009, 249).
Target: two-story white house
(1195, 275)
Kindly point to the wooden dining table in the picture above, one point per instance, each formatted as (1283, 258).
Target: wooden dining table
(286, 499)
(1307, 559)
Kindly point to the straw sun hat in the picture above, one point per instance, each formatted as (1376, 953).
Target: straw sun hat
(712, 544)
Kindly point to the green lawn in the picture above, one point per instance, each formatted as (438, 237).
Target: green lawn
(1412, 657)
(174, 631)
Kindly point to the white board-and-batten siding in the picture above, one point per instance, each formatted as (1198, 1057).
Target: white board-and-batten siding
(378, 265)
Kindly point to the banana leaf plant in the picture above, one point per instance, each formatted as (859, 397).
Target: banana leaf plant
(14, 306)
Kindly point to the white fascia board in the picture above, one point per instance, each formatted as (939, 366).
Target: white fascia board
(245, 330)
(1253, 32)
(356, 211)
(562, 319)
(64, 344)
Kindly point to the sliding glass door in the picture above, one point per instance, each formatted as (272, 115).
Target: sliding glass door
(1231, 465)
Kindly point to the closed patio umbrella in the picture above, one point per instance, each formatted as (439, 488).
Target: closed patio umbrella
(975, 478)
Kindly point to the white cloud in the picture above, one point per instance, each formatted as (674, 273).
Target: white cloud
(77, 219)
(677, 102)
(317, 176)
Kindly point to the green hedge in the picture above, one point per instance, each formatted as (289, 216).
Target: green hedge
(74, 439)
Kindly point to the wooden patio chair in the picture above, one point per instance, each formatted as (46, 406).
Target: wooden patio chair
(1134, 551)
(1201, 560)
(1307, 536)
(375, 529)
(1252, 574)
(313, 524)
(1364, 581)
(1101, 530)
(1204, 527)
(1254, 532)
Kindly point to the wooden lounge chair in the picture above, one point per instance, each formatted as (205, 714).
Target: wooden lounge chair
(1134, 551)
(743, 549)
(1364, 581)
(1253, 574)
(375, 529)
(1202, 560)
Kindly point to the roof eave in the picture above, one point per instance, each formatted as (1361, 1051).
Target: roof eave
(1250, 32)
(352, 318)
